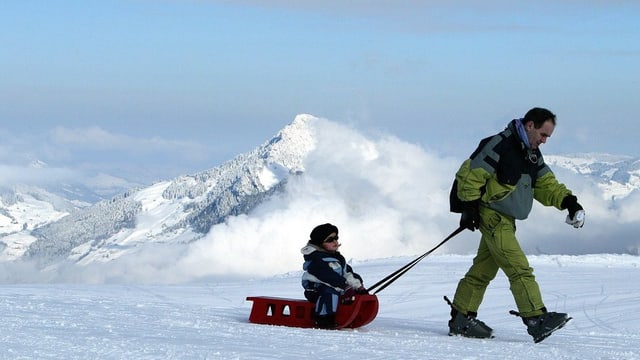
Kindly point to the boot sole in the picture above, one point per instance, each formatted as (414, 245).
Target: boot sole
(490, 336)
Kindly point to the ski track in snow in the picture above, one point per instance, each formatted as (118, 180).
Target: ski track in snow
(210, 320)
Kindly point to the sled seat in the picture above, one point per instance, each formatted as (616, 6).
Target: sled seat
(281, 311)
(300, 313)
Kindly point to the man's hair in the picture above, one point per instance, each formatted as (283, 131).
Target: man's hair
(539, 116)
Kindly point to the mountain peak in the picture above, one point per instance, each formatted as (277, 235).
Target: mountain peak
(292, 144)
(37, 164)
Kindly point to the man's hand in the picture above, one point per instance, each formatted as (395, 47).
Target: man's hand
(576, 212)
(577, 220)
(470, 218)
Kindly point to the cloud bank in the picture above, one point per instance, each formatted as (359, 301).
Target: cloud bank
(82, 153)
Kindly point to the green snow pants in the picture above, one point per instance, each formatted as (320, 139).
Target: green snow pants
(499, 249)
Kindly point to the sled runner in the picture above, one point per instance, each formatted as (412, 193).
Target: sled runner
(300, 313)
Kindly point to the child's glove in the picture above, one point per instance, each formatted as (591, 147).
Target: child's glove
(352, 280)
(348, 295)
(362, 291)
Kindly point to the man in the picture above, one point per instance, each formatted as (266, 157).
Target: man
(494, 187)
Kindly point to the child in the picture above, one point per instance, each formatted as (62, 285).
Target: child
(327, 276)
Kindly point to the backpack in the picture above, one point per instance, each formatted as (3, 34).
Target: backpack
(455, 204)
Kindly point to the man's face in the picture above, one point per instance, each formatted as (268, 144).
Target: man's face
(539, 136)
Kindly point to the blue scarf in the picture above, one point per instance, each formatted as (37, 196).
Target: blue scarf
(523, 133)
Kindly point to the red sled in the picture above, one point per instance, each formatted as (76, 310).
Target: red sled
(300, 313)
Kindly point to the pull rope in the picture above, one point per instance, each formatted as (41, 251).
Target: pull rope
(389, 279)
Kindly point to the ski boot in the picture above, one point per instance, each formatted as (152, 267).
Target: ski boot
(542, 326)
(467, 325)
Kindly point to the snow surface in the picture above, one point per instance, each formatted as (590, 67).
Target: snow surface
(209, 319)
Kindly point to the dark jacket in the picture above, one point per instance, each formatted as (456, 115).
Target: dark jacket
(506, 176)
(329, 269)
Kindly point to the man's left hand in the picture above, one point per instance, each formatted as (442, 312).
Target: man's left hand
(576, 213)
(577, 220)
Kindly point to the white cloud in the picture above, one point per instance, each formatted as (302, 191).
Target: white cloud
(97, 138)
(92, 151)
(11, 175)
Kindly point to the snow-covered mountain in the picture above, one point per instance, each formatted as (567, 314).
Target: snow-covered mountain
(616, 176)
(173, 211)
(50, 229)
(26, 207)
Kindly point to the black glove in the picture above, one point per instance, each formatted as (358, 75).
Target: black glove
(470, 218)
(576, 212)
(570, 202)
(348, 296)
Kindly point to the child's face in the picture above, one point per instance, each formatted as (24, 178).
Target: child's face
(331, 243)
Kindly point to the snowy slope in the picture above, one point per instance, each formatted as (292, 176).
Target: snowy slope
(30, 207)
(209, 320)
(25, 208)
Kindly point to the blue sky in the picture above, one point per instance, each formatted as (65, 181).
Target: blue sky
(154, 89)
